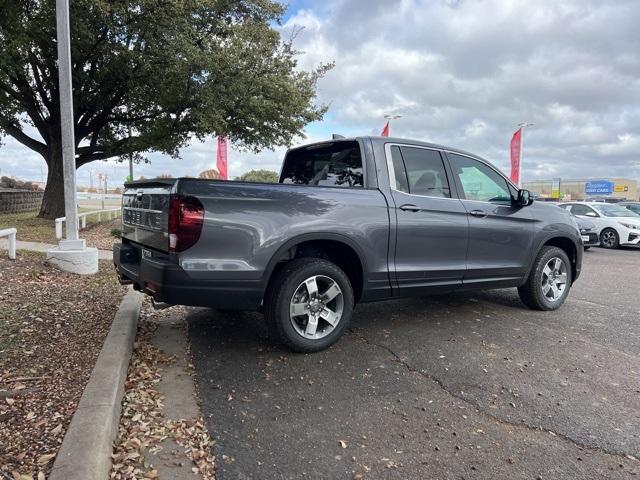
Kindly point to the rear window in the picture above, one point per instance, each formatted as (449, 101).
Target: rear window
(337, 164)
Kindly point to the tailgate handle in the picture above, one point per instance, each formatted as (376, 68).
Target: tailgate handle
(408, 207)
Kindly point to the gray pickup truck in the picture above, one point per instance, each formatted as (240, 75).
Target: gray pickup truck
(351, 220)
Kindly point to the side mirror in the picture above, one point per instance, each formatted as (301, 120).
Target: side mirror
(524, 198)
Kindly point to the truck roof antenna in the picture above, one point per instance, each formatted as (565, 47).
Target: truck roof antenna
(335, 136)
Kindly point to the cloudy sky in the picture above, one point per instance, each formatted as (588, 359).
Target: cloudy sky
(461, 73)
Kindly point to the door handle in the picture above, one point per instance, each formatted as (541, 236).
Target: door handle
(408, 207)
(478, 213)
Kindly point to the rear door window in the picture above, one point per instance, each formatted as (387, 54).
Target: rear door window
(419, 171)
(336, 164)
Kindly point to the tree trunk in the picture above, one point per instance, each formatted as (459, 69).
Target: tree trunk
(53, 201)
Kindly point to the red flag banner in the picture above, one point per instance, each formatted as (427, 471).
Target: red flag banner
(221, 158)
(516, 143)
(385, 130)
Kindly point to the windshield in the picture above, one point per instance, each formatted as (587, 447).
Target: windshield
(615, 211)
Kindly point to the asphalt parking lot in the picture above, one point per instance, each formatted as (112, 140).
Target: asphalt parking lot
(466, 386)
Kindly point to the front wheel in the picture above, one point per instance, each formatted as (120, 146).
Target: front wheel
(549, 281)
(308, 304)
(609, 238)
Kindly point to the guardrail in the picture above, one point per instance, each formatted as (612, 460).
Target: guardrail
(11, 233)
(82, 219)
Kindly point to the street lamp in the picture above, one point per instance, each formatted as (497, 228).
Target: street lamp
(387, 127)
(72, 253)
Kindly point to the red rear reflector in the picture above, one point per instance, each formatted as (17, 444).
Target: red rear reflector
(186, 215)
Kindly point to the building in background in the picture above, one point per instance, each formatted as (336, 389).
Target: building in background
(607, 189)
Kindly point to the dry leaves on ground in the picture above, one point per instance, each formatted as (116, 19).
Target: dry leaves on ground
(142, 426)
(52, 326)
(99, 234)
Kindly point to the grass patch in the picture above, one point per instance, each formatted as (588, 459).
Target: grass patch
(29, 226)
(34, 229)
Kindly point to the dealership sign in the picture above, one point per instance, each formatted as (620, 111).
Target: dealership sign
(598, 187)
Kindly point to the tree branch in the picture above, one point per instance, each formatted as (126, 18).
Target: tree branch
(23, 138)
(33, 61)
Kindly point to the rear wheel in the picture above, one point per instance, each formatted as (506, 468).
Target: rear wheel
(549, 281)
(609, 238)
(308, 304)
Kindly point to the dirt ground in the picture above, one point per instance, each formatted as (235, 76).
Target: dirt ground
(52, 326)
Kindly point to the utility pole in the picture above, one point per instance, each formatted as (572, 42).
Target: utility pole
(72, 253)
(66, 119)
(130, 160)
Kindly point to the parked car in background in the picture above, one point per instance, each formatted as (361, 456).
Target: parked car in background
(616, 225)
(351, 220)
(588, 232)
(633, 206)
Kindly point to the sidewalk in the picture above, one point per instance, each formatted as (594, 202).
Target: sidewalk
(43, 247)
(162, 433)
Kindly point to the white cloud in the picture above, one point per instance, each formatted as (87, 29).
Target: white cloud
(464, 73)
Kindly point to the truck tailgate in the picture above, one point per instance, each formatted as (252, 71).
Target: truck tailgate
(145, 213)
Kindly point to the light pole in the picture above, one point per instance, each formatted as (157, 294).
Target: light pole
(130, 160)
(72, 253)
(522, 126)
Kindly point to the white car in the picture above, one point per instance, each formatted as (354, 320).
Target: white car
(615, 224)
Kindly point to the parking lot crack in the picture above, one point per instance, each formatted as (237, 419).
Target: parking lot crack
(478, 407)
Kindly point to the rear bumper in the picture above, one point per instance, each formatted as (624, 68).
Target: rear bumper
(168, 282)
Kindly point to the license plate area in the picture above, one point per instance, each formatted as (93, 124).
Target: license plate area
(146, 253)
(585, 238)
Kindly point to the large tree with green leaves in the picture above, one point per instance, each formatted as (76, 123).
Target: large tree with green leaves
(150, 75)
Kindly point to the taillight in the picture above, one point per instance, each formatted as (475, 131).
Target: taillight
(186, 215)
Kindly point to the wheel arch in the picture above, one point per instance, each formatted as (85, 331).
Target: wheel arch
(339, 249)
(568, 245)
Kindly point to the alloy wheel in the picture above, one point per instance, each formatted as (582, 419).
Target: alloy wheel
(316, 307)
(554, 279)
(609, 238)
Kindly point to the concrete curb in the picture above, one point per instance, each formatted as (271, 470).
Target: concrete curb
(86, 450)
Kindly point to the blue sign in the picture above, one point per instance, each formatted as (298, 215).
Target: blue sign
(598, 187)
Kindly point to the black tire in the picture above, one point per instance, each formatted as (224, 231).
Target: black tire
(609, 238)
(281, 290)
(531, 293)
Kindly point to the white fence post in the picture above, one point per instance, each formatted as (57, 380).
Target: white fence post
(82, 219)
(59, 227)
(11, 233)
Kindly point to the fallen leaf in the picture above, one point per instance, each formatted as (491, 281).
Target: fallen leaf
(343, 444)
(44, 459)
